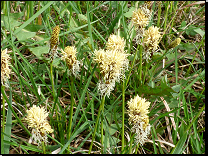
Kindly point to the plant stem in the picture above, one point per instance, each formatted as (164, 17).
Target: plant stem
(159, 14)
(102, 126)
(103, 100)
(98, 116)
(52, 83)
(140, 60)
(130, 147)
(176, 66)
(71, 107)
(137, 146)
(43, 147)
(123, 107)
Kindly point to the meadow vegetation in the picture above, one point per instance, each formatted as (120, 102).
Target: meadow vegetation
(114, 77)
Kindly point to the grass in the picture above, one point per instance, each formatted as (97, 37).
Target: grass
(175, 88)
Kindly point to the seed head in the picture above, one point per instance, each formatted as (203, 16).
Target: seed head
(151, 38)
(138, 117)
(5, 70)
(112, 65)
(54, 37)
(69, 55)
(37, 120)
(139, 19)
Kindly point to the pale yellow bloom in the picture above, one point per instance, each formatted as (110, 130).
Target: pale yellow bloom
(69, 55)
(139, 19)
(37, 120)
(115, 42)
(151, 38)
(5, 70)
(138, 118)
(112, 65)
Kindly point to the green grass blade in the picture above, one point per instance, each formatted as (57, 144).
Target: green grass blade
(179, 146)
(8, 126)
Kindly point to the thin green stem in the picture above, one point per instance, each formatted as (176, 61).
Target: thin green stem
(71, 107)
(95, 129)
(166, 15)
(52, 83)
(137, 146)
(176, 66)
(123, 107)
(103, 100)
(159, 14)
(102, 124)
(140, 61)
(130, 147)
(43, 147)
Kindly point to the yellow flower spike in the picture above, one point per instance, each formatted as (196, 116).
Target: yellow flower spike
(54, 36)
(69, 55)
(151, 37)
(37, 120)
(112, 65)
(139, 19)
(175, 43)
(5, 70)
(138, 118)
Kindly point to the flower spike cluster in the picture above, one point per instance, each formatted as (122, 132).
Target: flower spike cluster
(149, 38)
(140, 20)
(5, 70)
(112, 64)
(138, 118)
(69, 55)
(37, 120)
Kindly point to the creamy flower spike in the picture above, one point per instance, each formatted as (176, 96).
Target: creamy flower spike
(138, 118)
(69, 55)
(139, 19)
(151, 38)
(112, 65)
(37, 120)
(115, 42)
(5, 70)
